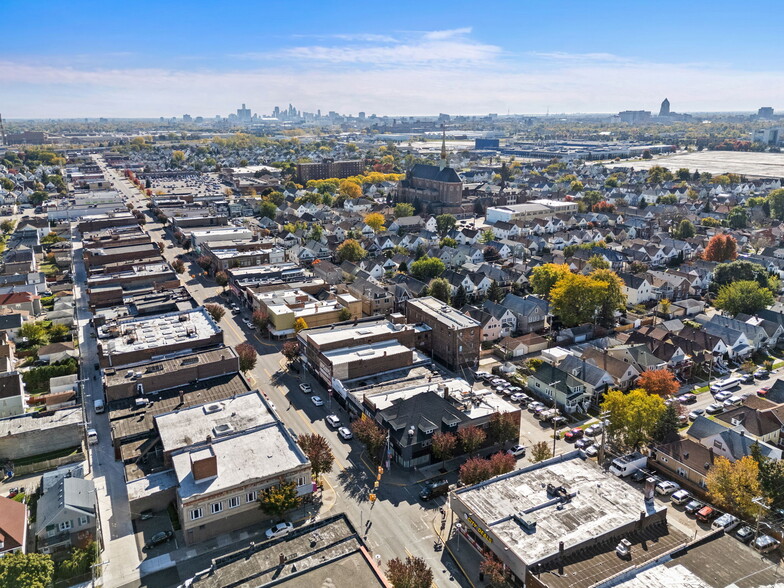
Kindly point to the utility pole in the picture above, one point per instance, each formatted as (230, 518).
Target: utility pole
(603, 416)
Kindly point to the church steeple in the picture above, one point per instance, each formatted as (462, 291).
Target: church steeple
(442, 163)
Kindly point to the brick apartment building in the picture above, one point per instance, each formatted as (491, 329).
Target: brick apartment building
(456, 338)
(329, 169)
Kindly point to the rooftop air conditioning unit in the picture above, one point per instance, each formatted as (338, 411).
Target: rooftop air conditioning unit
(211, 408)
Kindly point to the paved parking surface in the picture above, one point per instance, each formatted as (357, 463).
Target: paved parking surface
(144, 530)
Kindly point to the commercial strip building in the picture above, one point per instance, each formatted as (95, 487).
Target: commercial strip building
(540, 208)
(284, 307)
(556, 523)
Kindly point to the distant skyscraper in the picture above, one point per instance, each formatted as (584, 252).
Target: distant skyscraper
(765, 112)
(665, 108)
(243, 114)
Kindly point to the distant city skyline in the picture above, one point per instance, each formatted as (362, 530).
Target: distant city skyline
(150, 59)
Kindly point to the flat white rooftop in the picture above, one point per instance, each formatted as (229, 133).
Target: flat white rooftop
(258, 455)
(324, 337)
(360, 352)
(231, 416)
(601, 504)
(159, 331)
(444, 313)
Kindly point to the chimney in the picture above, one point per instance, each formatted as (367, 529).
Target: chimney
(446, 392)
(204, 463)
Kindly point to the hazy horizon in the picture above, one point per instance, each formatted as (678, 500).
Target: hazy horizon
(148, 60)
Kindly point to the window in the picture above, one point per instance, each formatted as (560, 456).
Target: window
(234, 502)
(65, 525)
(251, 496)
(216, 507)
(82, 521)
(196, 513)
(301, 481)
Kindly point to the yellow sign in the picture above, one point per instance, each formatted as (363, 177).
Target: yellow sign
(479, 530)
(372, 497)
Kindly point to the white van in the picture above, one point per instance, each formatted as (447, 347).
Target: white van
(726, 522)
(680, 497)
(99, 406)
(727, 384)
(92, 436)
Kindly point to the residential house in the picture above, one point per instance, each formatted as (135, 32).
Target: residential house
(530, 312)
(66, 515)
(726, 442)
(57, 352)
(491, 326)
(507, 318)
(13, 526)
(515, 347)
(553, 385)
(624, 374)
(597, 381)
(638, 289)
(12, 398)
(686, 461)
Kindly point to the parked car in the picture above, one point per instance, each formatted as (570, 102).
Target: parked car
(695, 413)
(665, 487)
(333, 420)
(680, 497)
(707, 514)
(688, 398)
(765, 544)
(692, 507)
(306, 388)
(583, 443)
(518, 397)
(558, 421)
(594, 430)
(744, 534)
(317, 401)
(517, 451)
(761, 374)
(279, 530)
(726, 522)
(146, 515)
(13, 492)
(763, 391)
(747, 379)
(534, 405)
(159, 539)
(715, 408)
(733, 401)
(722, 396)
(573, 434)
(345, 433)
(591, 451)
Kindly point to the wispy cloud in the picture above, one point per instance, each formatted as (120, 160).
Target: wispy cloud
(585, 57)
(360, 37)
(447, 34)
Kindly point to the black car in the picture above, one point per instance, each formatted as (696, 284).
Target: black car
(747, 379)
(692, 507)
(159, 539)
(744, 534)
(687, 398)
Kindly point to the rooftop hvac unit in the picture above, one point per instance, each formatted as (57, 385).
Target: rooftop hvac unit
(140, 388)
(528, 524)
(210, 408)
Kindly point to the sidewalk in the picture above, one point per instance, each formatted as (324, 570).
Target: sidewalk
(235, 540)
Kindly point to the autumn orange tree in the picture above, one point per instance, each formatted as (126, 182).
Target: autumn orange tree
(444, 446)
(471, 438)
(661, 382)
(734, 485)
(721, 247)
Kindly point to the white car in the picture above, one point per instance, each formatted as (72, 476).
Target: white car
(345, 433)
(317, 401)
(722, 396)
(279, 530)
(306, 388)
(333, 420)
(591, 451)
(517, 451)
(593, 430)
(518, 397)
(665, 487)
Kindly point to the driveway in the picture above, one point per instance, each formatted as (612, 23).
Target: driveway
(144, 530)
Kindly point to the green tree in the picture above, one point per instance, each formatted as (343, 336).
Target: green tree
(441, 289)
(345, 314)
(495, 292)
(576, 186)
(734, 485)
(598, 262)
(178, 157)
(35, 333)
(658, 174)
(614, 297)
(771, 477)
(26, 570)
(7, 184)
(666, 428)
(737, 218)
(247, 355)
(683, 174)
(411, 573)
(445, 223)
(460, 299)
(7, 226)
(277, 500)
(427, 268)
(403, 209)
(540, 451)
(684, 230)
(351, 250)
(591, 198)
(268, 209)
(632, 416)
(486, 236)
(775, 201)
(741, 270)
(544, 277)
(745, 296)
(222, 279)
(318, 452)
(443, 446)
(447, 242)
(576, 299)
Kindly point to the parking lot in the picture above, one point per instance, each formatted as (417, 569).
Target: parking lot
(145, 530)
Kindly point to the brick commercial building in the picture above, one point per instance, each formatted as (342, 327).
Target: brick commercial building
(132, 254)
(109, 288)
(115, 237)
(166, 374)
(456, 338)
(105, 221)
(329, 169)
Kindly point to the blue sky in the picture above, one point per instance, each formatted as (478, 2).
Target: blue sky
(83, 58)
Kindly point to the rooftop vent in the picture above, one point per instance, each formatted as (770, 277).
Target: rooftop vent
(210, 408)
(528, 524)
(411, 431)
(224, 429)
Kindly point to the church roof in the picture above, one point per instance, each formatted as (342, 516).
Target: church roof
(434, 172)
